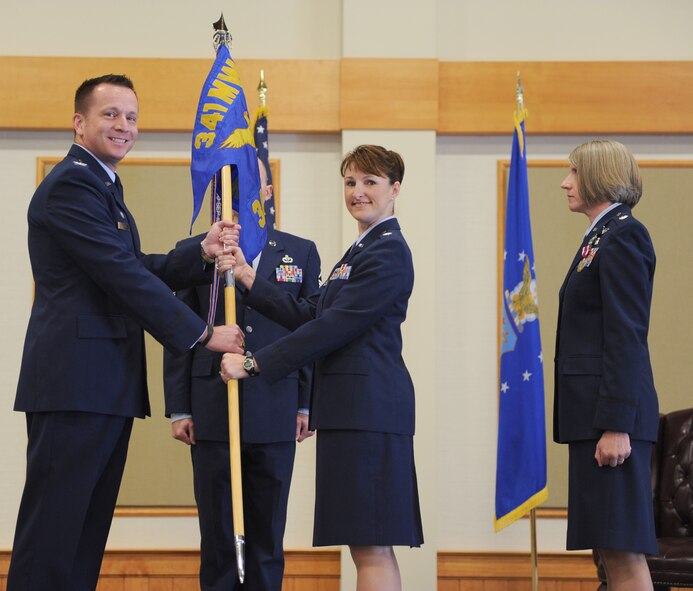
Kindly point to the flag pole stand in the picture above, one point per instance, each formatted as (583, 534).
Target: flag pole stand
(533, 546)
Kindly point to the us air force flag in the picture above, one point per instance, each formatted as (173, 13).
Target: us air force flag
(521, 462)
(223, 136)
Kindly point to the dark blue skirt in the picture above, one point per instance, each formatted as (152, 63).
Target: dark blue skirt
(611, 508)
(366, 491)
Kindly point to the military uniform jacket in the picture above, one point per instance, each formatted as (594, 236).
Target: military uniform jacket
(192, 384)
(94, 293)
(603, 376)
(351, 329)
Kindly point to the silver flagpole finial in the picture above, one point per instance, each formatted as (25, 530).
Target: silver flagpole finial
(519, 94)
(221, 34)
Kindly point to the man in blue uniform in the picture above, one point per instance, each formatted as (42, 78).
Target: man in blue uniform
(83, 373)
(273, 417)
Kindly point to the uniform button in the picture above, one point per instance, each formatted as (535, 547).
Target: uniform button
(248, 329)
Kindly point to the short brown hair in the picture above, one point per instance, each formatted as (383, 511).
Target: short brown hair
(375, 160)
(85, 89)
(606, 171)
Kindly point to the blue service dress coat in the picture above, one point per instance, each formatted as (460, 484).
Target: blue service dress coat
(351, 331)
(604, 382)
(95, 293)
(192, 385)
(82, 377)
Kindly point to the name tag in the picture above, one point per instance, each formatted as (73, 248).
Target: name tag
(289, 274)
(123, 226)
(341, 272)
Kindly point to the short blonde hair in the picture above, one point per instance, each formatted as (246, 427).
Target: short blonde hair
(606, 171)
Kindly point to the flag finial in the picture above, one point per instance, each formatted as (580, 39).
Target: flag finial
(262, 89)
(520, 95)
(221, 34)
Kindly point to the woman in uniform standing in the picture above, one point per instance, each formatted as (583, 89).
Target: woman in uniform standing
(605, 405)
(363, 396)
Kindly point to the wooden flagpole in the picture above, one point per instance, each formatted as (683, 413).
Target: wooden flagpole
(221, 35)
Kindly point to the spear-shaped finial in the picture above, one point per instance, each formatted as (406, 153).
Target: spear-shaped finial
(262, 89)
(519, 95)
(221, 34)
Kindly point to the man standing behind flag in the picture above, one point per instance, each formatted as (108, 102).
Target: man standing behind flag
(273, 417)
(83, 374)
(521, 463)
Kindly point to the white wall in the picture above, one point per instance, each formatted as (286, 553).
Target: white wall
(547, 30)
(288, 29)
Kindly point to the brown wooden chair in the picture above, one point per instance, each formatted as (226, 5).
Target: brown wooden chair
(672, 487)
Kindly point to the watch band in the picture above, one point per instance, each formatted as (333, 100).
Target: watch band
(249, 365)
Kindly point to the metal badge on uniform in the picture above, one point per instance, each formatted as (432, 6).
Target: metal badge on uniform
(289, 273)
(341, 272)
(287, 259)
(623, 216)
(123, 226)
(79, 163)
(386, 234)
(273, 243)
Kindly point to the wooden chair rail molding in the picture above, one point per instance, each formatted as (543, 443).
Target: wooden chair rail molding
(327, 96)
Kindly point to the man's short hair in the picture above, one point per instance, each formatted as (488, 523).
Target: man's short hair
(87, 87)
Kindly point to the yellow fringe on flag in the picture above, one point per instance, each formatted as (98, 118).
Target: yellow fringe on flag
(519, 117)
(531, 503)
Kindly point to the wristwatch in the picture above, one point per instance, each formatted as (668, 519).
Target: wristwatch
(249, 364)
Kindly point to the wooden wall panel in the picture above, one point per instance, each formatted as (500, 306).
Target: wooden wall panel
(171, 570)
(389, 94)
(308, 570)
(568, 97)
(38, 92)
(511, 571)
(318, 96)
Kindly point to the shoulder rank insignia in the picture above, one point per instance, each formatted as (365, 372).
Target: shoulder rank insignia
(287, 259)
(623, 216)
(272, 243)
(79, 163)
(386, 234)
(289, 273)
(341, 272)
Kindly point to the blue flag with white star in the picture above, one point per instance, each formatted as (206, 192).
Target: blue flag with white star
(261, 134)
(521, 461)
(223, 136)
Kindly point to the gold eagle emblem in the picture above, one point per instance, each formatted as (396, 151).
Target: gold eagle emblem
(241, 136)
